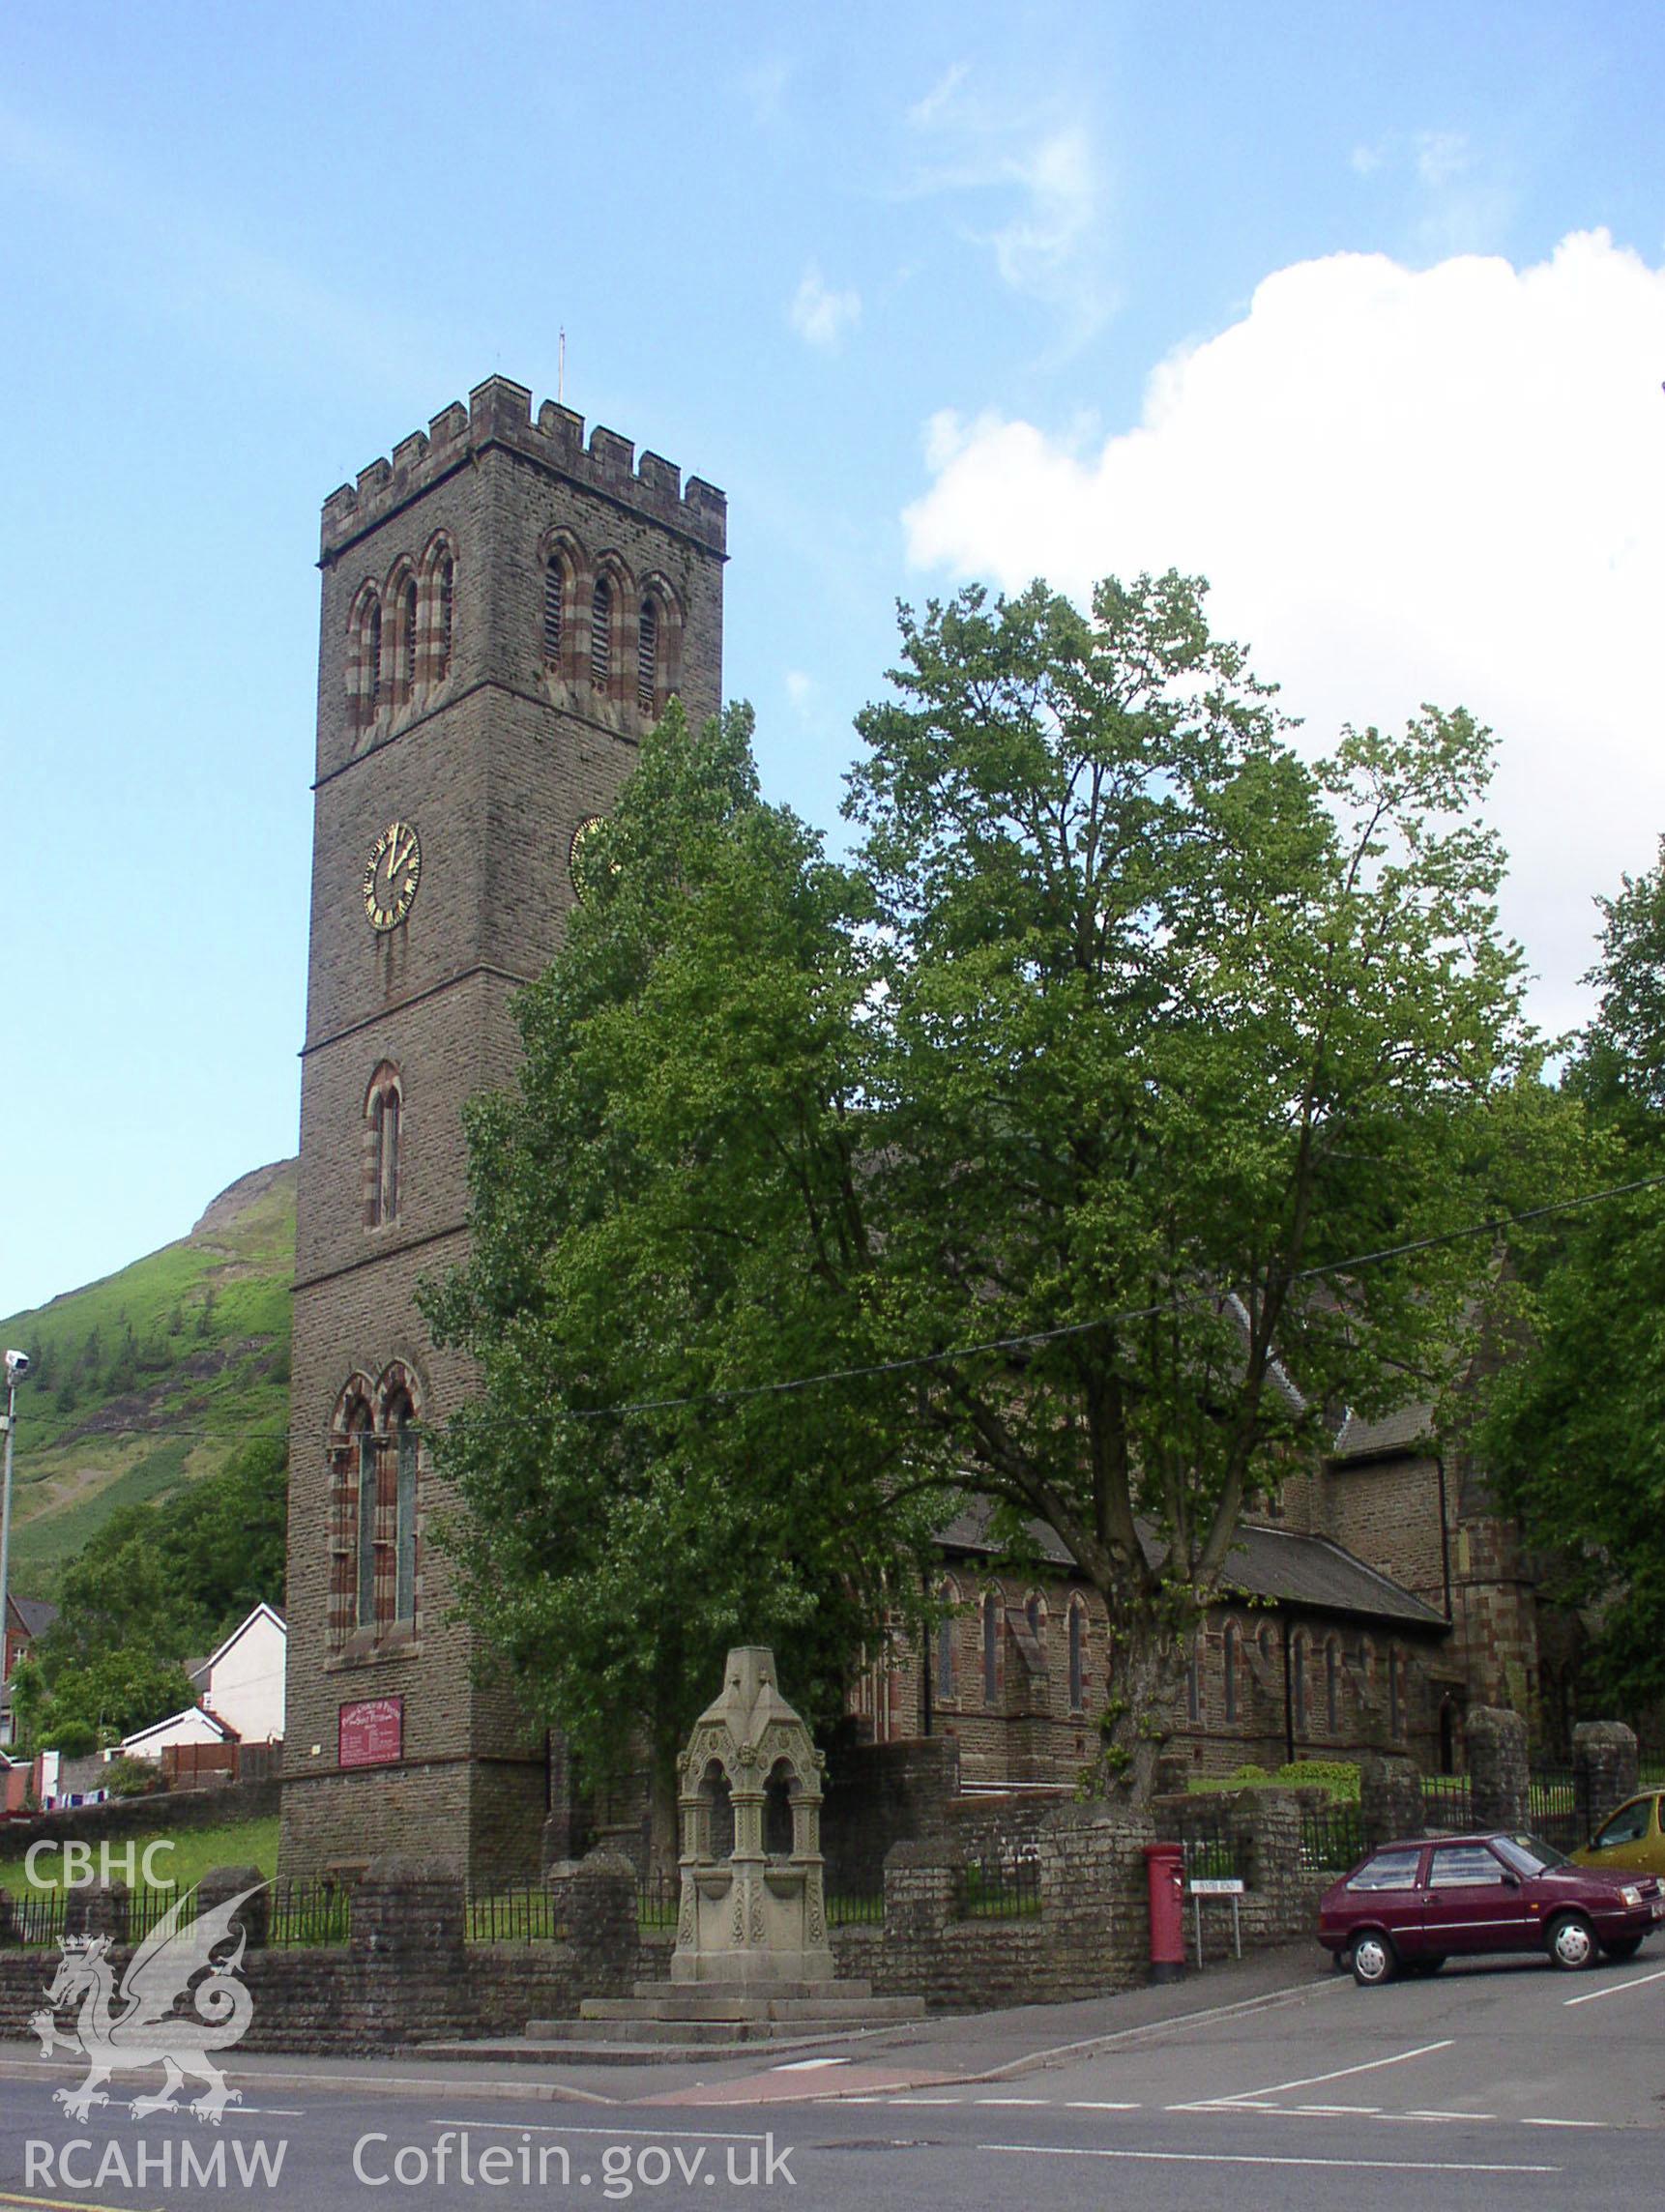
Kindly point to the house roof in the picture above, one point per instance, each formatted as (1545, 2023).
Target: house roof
(1294, 1568)
(1408, 1429)
(200, 1668)
(226, 1734)
(1285, 1566)
(30, 1616)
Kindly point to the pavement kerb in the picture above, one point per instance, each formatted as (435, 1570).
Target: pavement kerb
(1059, 2054)
(462, 2078)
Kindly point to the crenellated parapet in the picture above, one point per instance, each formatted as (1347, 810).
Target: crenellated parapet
(499, 413)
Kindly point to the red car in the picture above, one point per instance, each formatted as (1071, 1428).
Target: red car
(1413, 1905)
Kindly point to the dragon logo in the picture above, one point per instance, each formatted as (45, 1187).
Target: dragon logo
(141, 2024)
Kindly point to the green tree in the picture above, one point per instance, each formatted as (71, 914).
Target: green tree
(1049, 1126)
(666, 1206)
(1575, 1423)
(1169, 1026)
(172, 1579)
(114, 1694)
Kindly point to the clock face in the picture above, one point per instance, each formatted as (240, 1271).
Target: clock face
(581, 855)
(392, 876)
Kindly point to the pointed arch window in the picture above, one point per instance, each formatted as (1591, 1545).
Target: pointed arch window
(403, 1425)
(1298, 1680)
(1229, 1646)
(384, 1111)
(990, 1650)
(367, 1479)
(1332, 1686)
(946, 1671)
(373, 654)
(1395, 1696)
(602, 634)
(1077, 1657)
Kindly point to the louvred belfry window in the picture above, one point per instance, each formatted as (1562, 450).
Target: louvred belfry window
(408, 640)
(554, 589)
(602, 634)
(442, 642)
(647, 656)
(373, 656)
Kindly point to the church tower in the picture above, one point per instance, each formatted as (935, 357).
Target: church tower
(505, 608)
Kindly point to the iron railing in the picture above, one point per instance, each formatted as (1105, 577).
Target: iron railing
(659, 1901)
(1212, 1850)
(1448, 1806)
(147, 1909)
(1332, 1839)
(303, 1913)
(518, 1912)
(999, 1888)
(37, 1916)
(1553, 1808)
(856, 1909)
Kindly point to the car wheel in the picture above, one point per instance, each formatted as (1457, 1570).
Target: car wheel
(1571, 1941)
(1623, 1947)
(1373, 1959)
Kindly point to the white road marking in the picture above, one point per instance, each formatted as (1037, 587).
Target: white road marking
(676, 2134)
(1563, 2123)
(1011, 2100)
(1415, 2114)
(1253, 2158)
(1096, 2104)
(1615, 1989)
(1330, 2111)
(1312, 2080)
(805, 2065)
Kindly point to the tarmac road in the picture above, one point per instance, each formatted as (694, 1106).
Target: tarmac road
(1492, 2086)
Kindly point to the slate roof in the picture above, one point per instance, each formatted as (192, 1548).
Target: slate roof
(1284, 1565)
(31, 1616)
(1409, 1428)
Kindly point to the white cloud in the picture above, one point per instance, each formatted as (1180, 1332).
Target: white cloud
(1040, 161)
(1365, 160)
(800, 689)
(1405, 485)
(926, 111)
(819, 315)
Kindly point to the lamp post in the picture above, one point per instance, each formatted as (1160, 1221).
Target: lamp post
(16, 1367)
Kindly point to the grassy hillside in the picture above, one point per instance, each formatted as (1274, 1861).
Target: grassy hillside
(147, 1380)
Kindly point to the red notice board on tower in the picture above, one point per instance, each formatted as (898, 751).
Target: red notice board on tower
(372, 1732)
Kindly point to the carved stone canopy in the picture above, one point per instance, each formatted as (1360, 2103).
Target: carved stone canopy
(747, 1913)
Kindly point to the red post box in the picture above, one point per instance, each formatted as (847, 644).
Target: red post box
(1165, 1873)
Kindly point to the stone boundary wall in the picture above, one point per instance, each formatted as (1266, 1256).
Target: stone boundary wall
(121, 1819)
(407, 1976)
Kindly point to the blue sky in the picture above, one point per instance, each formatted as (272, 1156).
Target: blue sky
(1358, 310)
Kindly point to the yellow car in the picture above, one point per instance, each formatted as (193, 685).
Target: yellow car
(1631, 1841)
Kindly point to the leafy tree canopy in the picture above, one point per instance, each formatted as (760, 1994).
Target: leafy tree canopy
(157, 1584)
(1061, 1116)
(667, 1207)
(1173, 1028)
(1576, 1422)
